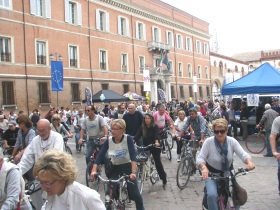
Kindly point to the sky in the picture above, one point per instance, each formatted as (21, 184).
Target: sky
(240, 25)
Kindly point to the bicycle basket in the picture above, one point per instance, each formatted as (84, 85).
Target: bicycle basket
(239, 194)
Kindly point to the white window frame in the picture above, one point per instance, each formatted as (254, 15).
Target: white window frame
(143, 32)
(205, 48)
(156, 34)
(141, 67)
(41, 8)
(7, 4)
(70, 54)
(11, 48)
(171, 65)
(179, 41)
(124, 61)
(106, 59)
(188, 44)
(198, 47)
(180, 69)
(106, 22)
(168, 41)
(206, 72)
(77, 12)
(37, 41)
(199, 76)
(123, 26)
(189, 70)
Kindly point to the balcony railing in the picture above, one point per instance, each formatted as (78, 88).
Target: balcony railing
(73, 63)
(103, 66)
(41, 59)
(6, 57)
(152, 45)
(124, 68)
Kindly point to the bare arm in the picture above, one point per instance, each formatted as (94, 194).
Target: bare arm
(272, 140)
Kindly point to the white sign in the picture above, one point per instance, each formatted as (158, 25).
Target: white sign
(146, 78)
(252, 99)
(194, 84)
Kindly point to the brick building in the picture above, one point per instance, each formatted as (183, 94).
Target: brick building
(103, 44)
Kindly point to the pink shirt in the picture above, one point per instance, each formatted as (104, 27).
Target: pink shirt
(160, 119)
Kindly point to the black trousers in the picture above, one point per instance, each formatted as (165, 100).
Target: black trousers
(156, 155)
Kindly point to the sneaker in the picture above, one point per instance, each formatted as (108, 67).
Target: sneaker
(178, 158)
(164, 184)
(163, 152)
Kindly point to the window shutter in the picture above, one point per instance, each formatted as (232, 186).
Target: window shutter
(172, 39)
(127, 27)
(66, 11)
(144, 31)
(153, 33)
(119, 26)
(48, 9)
(177, 43)
(33, 7)
(137, 30)
(159, 34)
(97, 16)
(79, 16)
(107, 22)
(182, 42)
(167, 40)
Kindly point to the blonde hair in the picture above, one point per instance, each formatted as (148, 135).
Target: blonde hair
(119, 122)
(221, 122)
(182, 112)
(58, 164)
(56, 116)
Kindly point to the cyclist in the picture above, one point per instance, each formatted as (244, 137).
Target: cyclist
(78, 121)
(121, 152)
(216, 156)
(149, 133)
(120, 112)
(133, 120)
(10, 137)
(94, 125)
(160, 117)
(56, 126)
(3, 123)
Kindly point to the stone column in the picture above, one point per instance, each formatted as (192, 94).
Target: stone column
(154, 91)
(167, 79)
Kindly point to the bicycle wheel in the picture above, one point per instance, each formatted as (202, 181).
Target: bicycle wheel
(170, 140)
(168, 150)
(92, 184)
(154, 177)
(68, 150)
(140, 177)
(255, 143)
(183, 173)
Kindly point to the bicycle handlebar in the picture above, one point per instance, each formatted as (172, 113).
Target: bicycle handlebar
(146, 147)
(215, 176)
(124, 177)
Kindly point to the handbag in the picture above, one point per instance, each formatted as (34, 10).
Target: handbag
(239, 194)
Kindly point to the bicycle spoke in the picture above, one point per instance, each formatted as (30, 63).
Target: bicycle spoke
(168, 150)
(255, 143)
(183, 173)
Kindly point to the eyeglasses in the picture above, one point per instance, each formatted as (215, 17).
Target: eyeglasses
(219, 131)
(56, 119)
(47, 184)
(88, 110)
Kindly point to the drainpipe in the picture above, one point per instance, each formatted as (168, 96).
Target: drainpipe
(89, 50)
(133, 53)
(175, 73)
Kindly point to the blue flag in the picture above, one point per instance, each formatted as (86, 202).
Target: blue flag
(57, 75)
(166, 62)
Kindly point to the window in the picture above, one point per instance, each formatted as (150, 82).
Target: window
(156, 33)
(206, 73)
(191, 91)
(40, 8)
(75, 92)
(41, 52)
(43, 92)
(8, 93)
(199, 72)
(179, 40)
(140, 31)
(169, 38)
(6, 4)
(171, 66)
(188, 44)
(205, 49)
(123, 26)
(173, 92)
(157, 62)
(73, 12)
(102, 20)
(124, 62)
(73, 56)
(198, 47)
(5, 49)
(200, 92)
(105, 86)
(141, 63)
(125, 88)
(208, 91)
(103, 60)
(143, 93)
(182, 94)
(180, 67)
(189, 70)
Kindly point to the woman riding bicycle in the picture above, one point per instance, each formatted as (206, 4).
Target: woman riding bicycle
(216, 156)
(149, 132)
(121, 152)
(56, 126)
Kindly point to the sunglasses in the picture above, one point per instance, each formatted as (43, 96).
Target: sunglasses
(219, 131)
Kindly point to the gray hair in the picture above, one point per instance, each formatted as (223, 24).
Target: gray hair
(1, 153)
(267, 106)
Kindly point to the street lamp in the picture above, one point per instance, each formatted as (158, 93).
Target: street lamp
(194, 86)
(56, 73)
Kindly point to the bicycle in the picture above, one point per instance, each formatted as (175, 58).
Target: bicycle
(164, 135)
(29, 190)
(145, 166)
(118, 198)
(67, 148)
(94, 184)
(169, 136)
(187, 166)
(255, 143)
(225, 187)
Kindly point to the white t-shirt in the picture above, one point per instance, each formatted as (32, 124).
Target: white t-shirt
(179, 124)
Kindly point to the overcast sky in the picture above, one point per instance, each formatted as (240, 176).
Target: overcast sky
(241, 25)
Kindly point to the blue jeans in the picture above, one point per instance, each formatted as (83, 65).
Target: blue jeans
(77, 137)
(234, 127)
(268, 147)
(212, 194)
(90, 147)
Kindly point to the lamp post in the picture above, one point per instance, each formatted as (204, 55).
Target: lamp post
(195, 86)
(56, 73)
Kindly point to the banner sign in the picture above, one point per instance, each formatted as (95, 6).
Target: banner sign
(146, 77)
(252, 99)
(88, 96)
(57, 75)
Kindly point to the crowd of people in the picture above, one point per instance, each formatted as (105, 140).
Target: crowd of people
(35, 143)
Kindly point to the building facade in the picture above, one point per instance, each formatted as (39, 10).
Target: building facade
(103, 44)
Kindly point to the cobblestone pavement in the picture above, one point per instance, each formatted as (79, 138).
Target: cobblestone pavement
(261, 185)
